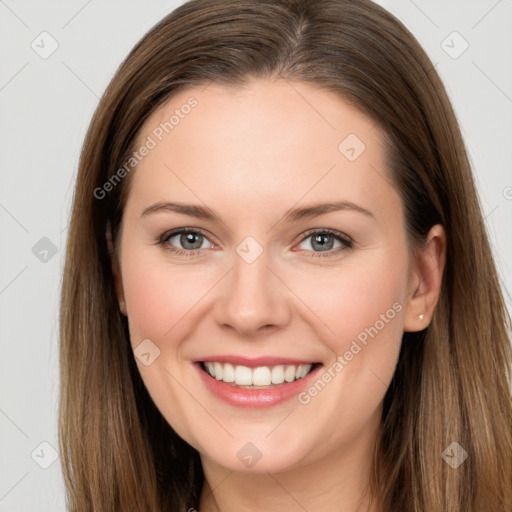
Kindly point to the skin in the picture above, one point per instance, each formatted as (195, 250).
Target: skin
(239, 153)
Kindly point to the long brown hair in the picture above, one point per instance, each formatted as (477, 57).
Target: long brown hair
(452, 382)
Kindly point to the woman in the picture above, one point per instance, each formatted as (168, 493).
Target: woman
(336, 337)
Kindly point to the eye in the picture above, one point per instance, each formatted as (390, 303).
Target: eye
(324, 240)
(192, 241)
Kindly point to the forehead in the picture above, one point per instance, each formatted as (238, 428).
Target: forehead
(268, 138)
(261, 107)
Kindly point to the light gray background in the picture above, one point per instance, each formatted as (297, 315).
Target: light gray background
(46, 106)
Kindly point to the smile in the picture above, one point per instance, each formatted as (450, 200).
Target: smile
(257, 385)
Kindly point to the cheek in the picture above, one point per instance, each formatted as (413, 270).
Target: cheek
(362, 307)
(160, 299)
(159, 296)
(356, 297)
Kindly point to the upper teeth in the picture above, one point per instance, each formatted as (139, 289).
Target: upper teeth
(260, 376)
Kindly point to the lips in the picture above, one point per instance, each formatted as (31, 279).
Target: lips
(257, 382)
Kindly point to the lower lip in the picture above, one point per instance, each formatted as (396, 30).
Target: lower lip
(255, 398)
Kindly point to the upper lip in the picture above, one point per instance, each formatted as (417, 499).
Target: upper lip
(252, 362)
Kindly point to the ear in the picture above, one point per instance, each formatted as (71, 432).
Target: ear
(425, 281)
(115, 270)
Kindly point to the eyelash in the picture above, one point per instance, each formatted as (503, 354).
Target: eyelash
(346, 242)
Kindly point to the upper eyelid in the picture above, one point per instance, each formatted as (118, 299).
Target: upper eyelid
(330, 231)
(174, 232)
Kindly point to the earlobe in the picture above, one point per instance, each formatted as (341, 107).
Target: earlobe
(115, 270)
(426, 281)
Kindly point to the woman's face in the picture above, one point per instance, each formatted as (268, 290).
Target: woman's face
(264, 280)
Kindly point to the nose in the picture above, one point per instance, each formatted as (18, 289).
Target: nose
(252, 299)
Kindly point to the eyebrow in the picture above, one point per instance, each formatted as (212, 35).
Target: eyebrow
(292, 215)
